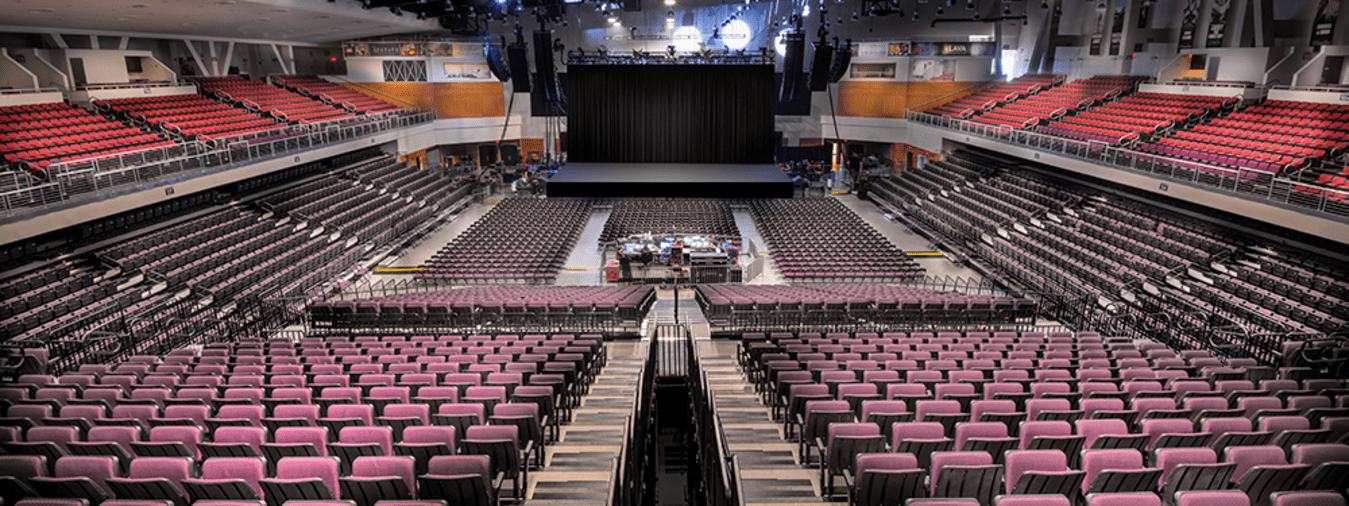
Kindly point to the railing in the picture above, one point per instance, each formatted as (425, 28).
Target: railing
(636, 474)
(124, 86)
(718, 468)
(22, 91)
(1317, 87)
(87, 179)
(1254, 183)
(1209, 84)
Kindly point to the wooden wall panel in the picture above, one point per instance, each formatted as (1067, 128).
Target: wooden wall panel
(450, 100)
(416, 93)
(527, 145)
(470, 100)
(888, 99)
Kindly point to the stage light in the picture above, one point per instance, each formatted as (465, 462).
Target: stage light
(805, 10)
(670, 2)
(1044, 4)
(915, 14)
(687, 39)
(940, 11)
(854, 17)
(780, 42)
(1006, 11)
(736, 35)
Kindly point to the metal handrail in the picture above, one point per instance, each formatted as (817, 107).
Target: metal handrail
(1238, 180)
(22, 91)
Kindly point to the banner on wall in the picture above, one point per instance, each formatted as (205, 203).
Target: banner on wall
(356, 49)
(1188, 24)
(1217, 23)
(1324, 25)
(1117, 28)
(1098, 34)
(871, 50)
(955, 49)
(897, 49)
(923, 49)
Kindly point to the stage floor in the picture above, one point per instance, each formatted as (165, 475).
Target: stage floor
(670, 180)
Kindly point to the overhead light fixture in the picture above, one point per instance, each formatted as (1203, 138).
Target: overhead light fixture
(915, 14)
(805, 10)
(613, 19)
(669, 2)
(940, 11)
(1006, 10)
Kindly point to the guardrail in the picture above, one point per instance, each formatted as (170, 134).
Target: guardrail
(22, 91)
(95, 177)
(124, 86)
(1254, 183)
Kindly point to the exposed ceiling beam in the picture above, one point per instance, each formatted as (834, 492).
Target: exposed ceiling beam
(56, 33)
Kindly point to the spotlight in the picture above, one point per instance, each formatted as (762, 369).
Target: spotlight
(1006, 10)
(915, 15)
(1025, 21)
(613, 19)
(976, 16)
(940, 11)
(1044, 4)
(669, 2)
(969, 5)
(854, 16)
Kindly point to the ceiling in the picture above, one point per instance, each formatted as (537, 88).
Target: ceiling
(300, 21)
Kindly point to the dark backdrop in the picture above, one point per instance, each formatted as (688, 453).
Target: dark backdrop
(670, 113)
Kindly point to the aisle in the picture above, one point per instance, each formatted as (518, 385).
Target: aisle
(770, 473)
(577, 467)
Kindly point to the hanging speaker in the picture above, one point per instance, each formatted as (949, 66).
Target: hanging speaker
(820, 70)
(519, 59)
(791, 66)
(496, 63)
(842, 57)
(543, 65)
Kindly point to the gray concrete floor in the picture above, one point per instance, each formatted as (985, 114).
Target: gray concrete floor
(583, 265)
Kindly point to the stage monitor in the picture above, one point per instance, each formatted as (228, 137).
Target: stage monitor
(670, 113)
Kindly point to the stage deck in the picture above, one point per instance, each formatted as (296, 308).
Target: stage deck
(670, 180)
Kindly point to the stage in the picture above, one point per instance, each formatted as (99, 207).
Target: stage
(708, 180)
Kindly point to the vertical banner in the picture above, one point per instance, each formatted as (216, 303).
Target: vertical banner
(1098, 34)
(1324, 25)
(1217, 24)
(1117, 27)
(1188, 24)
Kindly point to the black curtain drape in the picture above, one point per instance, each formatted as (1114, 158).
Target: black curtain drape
(670, 113)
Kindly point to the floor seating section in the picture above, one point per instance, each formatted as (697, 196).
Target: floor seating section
(522, 239)
(992, 96)
(1105, 249)
(190, 116)
(823, 240)
(1001, 416)
(1135, 117)
(45, 134)
(665, 216)
(1054, 103)
(517, 306)
(288, 106)
(315, 418)
(832, 304)
(335, 93)
(766, 305)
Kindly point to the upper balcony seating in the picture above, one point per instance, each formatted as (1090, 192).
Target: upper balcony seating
(1134, 117)
(44, 134)
(192, 116)
(994, 95)
(278, 102)
(334, 93)
(1054, 103)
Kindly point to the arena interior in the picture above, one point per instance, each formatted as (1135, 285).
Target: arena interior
(701, 252)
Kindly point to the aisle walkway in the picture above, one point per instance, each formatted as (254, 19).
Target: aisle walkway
(577, 466)
(770, 473)
(582, 267)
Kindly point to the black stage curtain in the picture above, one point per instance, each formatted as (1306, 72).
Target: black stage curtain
(670, 113)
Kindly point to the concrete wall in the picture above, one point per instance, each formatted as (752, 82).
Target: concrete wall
(30, 98)
(1320, 97)
(14, 76)
(1206, 91)
(84, 96)
(38, 61)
